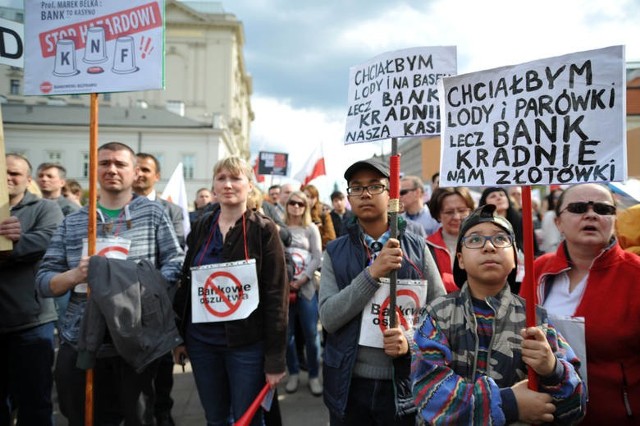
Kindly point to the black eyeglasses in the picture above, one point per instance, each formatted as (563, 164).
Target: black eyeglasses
(499, 240)
(374, 189)
(406, 191)
(581, 207)
(297, 203)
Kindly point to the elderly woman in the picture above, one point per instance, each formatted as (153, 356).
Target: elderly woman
(449, 206)
(590, 276)
(233, 299)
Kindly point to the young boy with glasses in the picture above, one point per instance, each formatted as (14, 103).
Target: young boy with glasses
(366, 363)
(472, 351)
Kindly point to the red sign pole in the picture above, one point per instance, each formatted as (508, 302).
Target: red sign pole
(529, 284)
(394, 209)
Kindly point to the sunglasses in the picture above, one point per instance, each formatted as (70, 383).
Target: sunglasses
(406, 191)
(581, 207)
(297, 203)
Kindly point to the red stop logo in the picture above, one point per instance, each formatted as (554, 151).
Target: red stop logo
(46, 87)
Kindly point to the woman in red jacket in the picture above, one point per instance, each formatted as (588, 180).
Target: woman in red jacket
(590, 276)
(449, 206)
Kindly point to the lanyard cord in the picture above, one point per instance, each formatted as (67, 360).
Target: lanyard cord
(108, 226)
(370, 260)
(214, 226)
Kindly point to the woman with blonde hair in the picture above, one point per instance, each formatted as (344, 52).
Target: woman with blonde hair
(232, 301)
(321, 218)
(305, 249)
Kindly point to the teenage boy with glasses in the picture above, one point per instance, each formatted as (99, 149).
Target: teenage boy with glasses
(367, 384)
(472, 351)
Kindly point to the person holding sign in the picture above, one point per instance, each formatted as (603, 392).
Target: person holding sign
(472, 351)
(133, 229)
(306, 254)
(366, 363)
(591, 277)
(449, 206)
(232, 300)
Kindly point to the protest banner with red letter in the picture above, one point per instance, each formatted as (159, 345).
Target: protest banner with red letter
(93, 46)
(395, 94)
(559, 120)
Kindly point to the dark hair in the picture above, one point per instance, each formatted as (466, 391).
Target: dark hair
(551, 199)
(145, 156)
(434, 176)
(438, 196)
(273, 187)
(337, 195)
(21, 157)
(118, 146)
(512, 215)
(61, 170)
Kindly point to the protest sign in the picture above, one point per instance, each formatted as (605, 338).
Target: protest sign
(93, 46)
(5, 211)
(272, 163)
(410, 296)
(224, 291)
(11, 43)
(395, 94)
(559, 120)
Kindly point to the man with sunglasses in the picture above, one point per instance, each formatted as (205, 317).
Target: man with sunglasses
(591, 277)
(366, 383)
(411, 197)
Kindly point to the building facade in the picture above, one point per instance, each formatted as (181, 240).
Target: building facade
(203, 114)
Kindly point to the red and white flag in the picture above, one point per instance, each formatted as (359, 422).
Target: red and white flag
(176, 192)
(313, 168)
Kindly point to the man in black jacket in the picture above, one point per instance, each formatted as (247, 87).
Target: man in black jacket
(26, 320)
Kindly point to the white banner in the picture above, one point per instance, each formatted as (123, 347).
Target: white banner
(93, 46)
(410, 297)
(395, 94)
(224, 291)
(12, 43)
(559, 120)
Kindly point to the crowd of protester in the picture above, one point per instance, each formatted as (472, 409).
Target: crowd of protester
(312, 276)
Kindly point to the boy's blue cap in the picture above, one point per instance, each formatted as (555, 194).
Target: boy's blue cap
(481, 215)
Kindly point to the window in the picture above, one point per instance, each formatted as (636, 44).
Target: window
(188, 164)
(15, 87)
(106, 96)
(55, 157)
(85, 165)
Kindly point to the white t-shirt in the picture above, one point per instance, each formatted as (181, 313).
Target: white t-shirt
(561, 302)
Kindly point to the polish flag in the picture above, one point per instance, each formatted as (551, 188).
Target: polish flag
(176, 192)
(313, 168)
(259, 178)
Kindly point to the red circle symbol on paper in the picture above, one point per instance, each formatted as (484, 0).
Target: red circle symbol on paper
(106, 250)
(298, 265)
(385, 304)
(46, 87)
(210, 285)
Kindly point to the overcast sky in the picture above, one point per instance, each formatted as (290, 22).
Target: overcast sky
(299, 53)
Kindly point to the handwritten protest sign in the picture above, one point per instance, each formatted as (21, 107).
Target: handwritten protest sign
(395, 94)
(11, 43)
(93, 46)
(559, 120)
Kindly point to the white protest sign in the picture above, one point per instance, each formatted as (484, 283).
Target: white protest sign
(110, 247)
(559, 120)
(224, 291)
(410, 296)
(93, 46)
(395, 94)
(11, 43)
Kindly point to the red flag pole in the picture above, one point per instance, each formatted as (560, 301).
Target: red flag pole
(529, 284)
(394, 209)
(91, 232)
(246, 418)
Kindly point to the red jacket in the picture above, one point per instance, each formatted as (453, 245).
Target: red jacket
(443, 260)
(611, 308)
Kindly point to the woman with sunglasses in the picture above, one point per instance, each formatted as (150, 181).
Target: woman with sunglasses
(305, 249)
(449, 206)
(590, 276)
